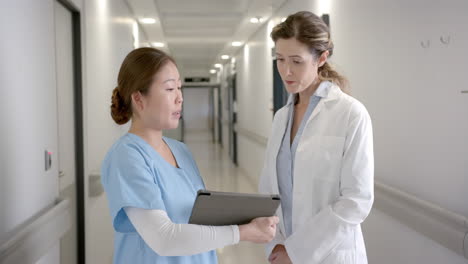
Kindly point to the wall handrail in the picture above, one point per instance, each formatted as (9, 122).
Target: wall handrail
(443, 226)
(31, 240)
(251, 135)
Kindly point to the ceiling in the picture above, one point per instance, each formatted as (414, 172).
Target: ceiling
(197, 32)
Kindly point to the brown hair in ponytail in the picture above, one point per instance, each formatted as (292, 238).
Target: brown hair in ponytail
(135, 75)
(310, 29)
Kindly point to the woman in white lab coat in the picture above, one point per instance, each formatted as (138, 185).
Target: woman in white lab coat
(319, 155)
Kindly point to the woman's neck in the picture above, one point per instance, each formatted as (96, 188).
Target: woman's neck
(151, 136)
(304, 96)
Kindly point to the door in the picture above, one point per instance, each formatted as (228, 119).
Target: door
(232, 118)
(67, 117)
(220, 118)
(280, 96)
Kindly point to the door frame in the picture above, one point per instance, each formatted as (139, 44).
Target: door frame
(280, 95)
(219, 121)
(232, 99)
(79, 128)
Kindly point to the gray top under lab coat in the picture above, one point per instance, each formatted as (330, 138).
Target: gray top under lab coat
(287, 152)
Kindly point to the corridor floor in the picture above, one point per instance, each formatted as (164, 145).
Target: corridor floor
(220, 174)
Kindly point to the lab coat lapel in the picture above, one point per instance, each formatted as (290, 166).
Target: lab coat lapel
(278, 134)
(316, 111)
(331, 95)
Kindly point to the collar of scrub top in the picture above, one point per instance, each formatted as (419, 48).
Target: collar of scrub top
(322, 91)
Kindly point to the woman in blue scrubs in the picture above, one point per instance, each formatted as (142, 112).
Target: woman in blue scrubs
(151, 181)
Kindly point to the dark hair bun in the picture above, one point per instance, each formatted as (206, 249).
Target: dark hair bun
(120, 111)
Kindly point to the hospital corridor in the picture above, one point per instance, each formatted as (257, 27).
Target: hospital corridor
(233, 132)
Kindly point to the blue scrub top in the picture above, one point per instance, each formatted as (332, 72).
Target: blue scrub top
(135, 175)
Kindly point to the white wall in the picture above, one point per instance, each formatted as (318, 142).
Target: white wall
(413, 96)
(51, 257)
(28, 110)
(254, 96)
(412, 93)
(419, 115)
(29, 115)
(389, 241)
(108, 32)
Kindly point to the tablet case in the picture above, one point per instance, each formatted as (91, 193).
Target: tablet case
(227, 208)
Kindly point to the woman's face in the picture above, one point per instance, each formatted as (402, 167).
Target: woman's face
(296, 64)
(161, 108)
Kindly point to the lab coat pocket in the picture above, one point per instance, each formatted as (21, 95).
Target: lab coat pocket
(322, 156)
(341, 257)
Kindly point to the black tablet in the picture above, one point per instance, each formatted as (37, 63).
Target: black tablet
(227, 208)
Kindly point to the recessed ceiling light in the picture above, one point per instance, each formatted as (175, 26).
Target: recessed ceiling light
(218, 65)
(158, 44)
(236, 43)
(255, 20)
(212, 71)
(224, 57)
(147, 20)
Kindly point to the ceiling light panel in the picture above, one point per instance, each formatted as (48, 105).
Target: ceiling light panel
(147, 20)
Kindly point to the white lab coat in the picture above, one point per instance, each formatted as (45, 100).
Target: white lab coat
(333, 180)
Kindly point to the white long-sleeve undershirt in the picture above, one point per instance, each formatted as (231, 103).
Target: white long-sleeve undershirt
(169, 239)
